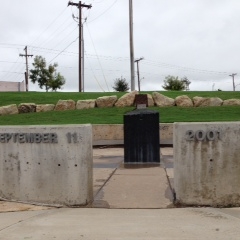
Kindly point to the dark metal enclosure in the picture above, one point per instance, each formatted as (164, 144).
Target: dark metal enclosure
(141, 136)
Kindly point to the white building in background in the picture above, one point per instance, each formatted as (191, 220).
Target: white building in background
(12, 86)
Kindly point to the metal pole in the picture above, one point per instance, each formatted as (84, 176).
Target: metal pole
(131, 45)
(83, 60)
(80, 46)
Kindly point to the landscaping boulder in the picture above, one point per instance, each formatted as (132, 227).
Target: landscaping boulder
(107, 101)
(162, 101)
(207, 102)
(183, 101)
(45, 107)
(231, 102)
(9, 110)
(85, 104)
(126, 100)
(63, 105)
(27, 107)
(150, 100)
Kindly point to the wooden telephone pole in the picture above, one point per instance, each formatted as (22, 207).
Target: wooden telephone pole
(137, 61)
(233, 75)
(26, 55)
(80, 6)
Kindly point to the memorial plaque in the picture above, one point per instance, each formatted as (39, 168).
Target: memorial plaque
(141, 101)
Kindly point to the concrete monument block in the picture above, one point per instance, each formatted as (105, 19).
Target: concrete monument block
(46, 164)
(206, 163)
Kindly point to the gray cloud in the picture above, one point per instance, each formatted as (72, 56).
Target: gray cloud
(198, 39)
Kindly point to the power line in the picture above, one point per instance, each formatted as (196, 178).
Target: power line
(98, 58)
(49, 26)
(104, 12)
(63, 50)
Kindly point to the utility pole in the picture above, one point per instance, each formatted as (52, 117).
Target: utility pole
(131, 45)
(80, 6)
(232, 75)
(137, 61)
(26, 55)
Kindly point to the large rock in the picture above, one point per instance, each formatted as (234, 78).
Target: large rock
(207, 102)
(27, 107)
(63, 105)
(162, 101)
(183, 101)
(45, 107)
(107, 101)
(150, 100)
(9, 110)
(126, 100)
(86, 104)
(231, 102)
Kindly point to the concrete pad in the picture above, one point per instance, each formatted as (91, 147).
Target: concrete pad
(104, 151)
(100, 176)
(11, 218)
(130, 224)
(137, 188)
(167, 151)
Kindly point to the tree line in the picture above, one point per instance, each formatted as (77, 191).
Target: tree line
(47, 77)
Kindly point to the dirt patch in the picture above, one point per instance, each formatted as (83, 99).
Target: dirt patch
(16, 207)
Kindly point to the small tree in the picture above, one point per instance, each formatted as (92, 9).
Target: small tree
(186, 83)
(120, 85)
(174, 84)
(47, 77)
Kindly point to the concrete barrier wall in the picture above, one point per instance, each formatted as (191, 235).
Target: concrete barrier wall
(46, 164)
(111, 134)
(207, 163)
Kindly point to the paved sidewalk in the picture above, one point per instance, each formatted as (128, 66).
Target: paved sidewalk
(116, 224)
(131, 186)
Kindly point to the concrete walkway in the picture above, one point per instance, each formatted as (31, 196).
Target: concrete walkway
(129, 203)
(109, 224)
(130, 186)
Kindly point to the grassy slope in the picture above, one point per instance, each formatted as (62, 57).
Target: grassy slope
(113, 115)
(7, 98)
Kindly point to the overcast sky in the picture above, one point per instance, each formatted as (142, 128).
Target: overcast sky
(198, 39)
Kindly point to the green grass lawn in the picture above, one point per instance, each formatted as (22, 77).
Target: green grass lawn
(113, 115)
(7, 98)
